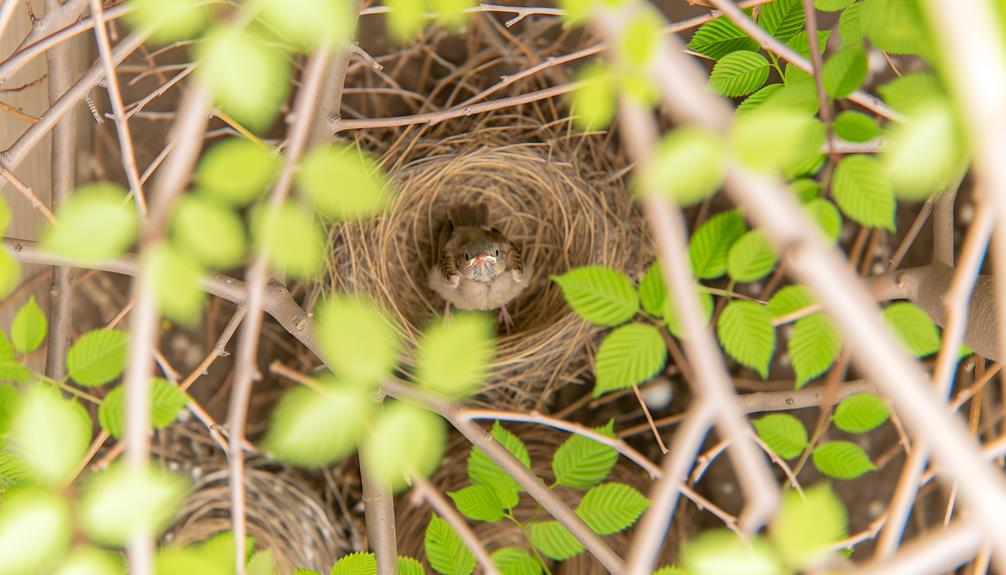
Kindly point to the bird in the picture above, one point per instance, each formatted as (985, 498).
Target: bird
(475, 266)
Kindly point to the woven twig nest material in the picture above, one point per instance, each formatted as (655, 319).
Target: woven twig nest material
(547, 193)
(541, 443)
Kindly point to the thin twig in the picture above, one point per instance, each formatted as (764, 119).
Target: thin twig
(427, 492)
(817, 63)
(28, 194)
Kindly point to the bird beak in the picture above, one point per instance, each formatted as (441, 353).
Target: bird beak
(482, 258)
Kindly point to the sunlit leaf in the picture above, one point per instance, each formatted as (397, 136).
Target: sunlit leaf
(236, 171)
(746, 332)
(895, 26)
(357, 339)
(409, 566)
(484, 471)
(599, 294)
(314, 428)
(29, 327)
(672, 320)
(722, 552)
(291, 238)
(850, 28)
(169, 21)
(404, 440)
(856, 126)
(639, 38)
(751, 258)
(307, 23)
(719, 37)
(773, 138)
(653, 290)
(95, 223)
(172, 560)
(801, 45)
(629, 355)
(554, 540)
(50, 434)
(97, 357)
(845, 71)
(739, 73)
(515, 561)
(842, 460)
(861, 412)
(687, 166)
(35, 531)
(177, 283)
(832, 5)
(806, 189)
(454, 356)
(711, 242)
(808, 525)
(911, 91)
(166, 400)
(752, 102)
(212, 234)
(926, 153)
(593, 104)
(783, 433)
(358, 563)
(126, 499)
(445, 550)
(914, 326)
(863, 192)
(581, 462)
(827, 217)
(782, 18)
(611, 507)
(10, 272)
(343, 182)
(406, 18)
(88, 560)
(814, 344)
(478, 502)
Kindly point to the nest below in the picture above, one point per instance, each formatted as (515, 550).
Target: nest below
(548, 195)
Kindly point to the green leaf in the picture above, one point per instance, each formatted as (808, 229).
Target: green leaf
(307, 23)
(237, 171)
(212, 234)
(800, 43)
(454, 356)
(798, 96)
(912, 91)
(171, 560)
(581, 462)
(827, 216)
(9, 400)
(343, 182)
(709, 245)
(168, 22)
(688, 166)
(478, 502)
(166, 400)
(751, 258)
(783, 433)
(895, 26)
(96, 223)
(593, 104)
(219, 549)
(177, 282)
(35, 531)
(629, 355)
(845, 71)
(773, 138)
(599, 294)
(670, 570)
(782, 18)
(808, 525)
(554, 540)
(315, 428)
(515, 561)
(405, 440)
(126, 499)
(249, 79)
(29, 327)
(291, 239)
(672, 320)
(861, 412)
(89, 560)
(746, 332)
(722, 552)
(484, 471)
(445, 550)
(719, 37)
(261, 563)
(10, 272)
(850, 26)
(832, 5)
(926, 153)
(358, 340)
(409, 566)
(639, 39)
(856, 126)
(842, 460)
(5, 215)
(49, 434)
(653, 290)
(863, 192)
(611, 507)
(14, 371)
(806, 189)
(359, 563)
(97, 357)
(914, 326)
(406, 18)
(6, 348)
(813, 346)
(739, 73)
(752, 102)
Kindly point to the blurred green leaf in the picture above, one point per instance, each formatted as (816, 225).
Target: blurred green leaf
(739, 73)
(357, 339)
(912, 91)
(177, 282)
(35, 531)
(862, 190)
(212, 234)
(722, 552)
(751, 258)
(687, 166)
(452, 14)
(611, 507)
(95, 223)
(808, 525)
(445, 550)
(174, 560)
(783, 433)
(88, 560)
(405, 439)
(236, 171)
(827, 216)
(308, 23)
(10, 272)
(832, 5)
(711, 242)
(29, 327)
(639, 38)
(789, 299)
(97, 357)
(554, 540)
(915, 328)
(845, 71)
(593, 104)
(249, 79)
(806, 189)
(5, 215)
(599, 294)
(861, 412)
(652, 290)
(169, 20)
(406, 18)
(125, 499)
(813, 346)
(754, 101)
(261, 563)
(672, 320)
(895, 26)
(629, 355)
(343, 182)
(801, 45)
(166, 400)
(772, 138)
(291, 238)
(315, 428)
(50, 434)
(850, 28)
(454, 356)
(856, 126)
(581, 462)
(746, 332)
(719, 37)
(842, 460)
(925, 154)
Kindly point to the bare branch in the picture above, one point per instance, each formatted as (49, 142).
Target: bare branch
(932, 554)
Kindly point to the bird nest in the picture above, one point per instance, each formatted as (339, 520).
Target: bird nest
(541, 443)
(546, 191)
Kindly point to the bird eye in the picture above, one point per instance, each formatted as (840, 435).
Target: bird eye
(497, 253)
(468, 256)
